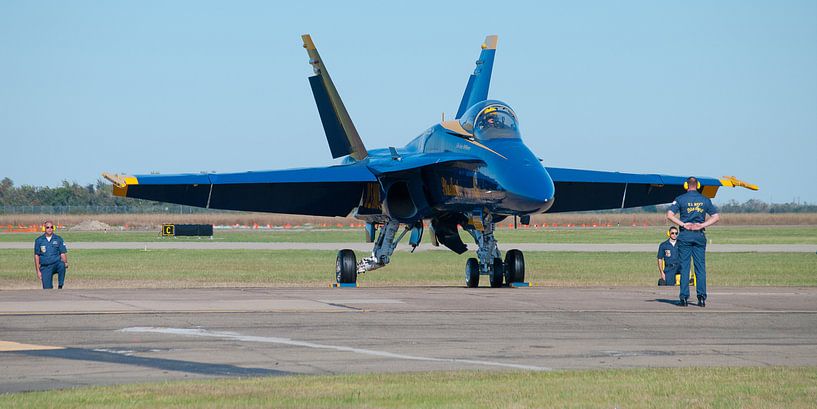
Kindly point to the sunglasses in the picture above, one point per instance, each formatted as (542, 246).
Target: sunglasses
(674, 232)
(49, 227)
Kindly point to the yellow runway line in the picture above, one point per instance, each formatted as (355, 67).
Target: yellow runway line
(8, 346)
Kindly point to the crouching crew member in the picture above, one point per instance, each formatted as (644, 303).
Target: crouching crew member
(50, 257)
(668, 262)
(691, 209)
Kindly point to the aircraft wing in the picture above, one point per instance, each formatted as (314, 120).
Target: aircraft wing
(327, 191)
(578, 190)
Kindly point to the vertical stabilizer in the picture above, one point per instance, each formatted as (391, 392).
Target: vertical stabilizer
(340, 130)
(477, 88)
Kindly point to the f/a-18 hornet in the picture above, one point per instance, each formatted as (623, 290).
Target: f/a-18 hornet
(470, 172)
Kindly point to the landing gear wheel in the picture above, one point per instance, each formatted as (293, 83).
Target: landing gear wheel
(472, 273)
(515, 265)
(346, 267)
(497, 273)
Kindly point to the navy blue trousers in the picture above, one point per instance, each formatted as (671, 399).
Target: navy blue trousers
(48, 274)
(692, 250)
(670, 272)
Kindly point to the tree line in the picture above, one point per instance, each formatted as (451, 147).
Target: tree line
(68, 194)
(100, 194)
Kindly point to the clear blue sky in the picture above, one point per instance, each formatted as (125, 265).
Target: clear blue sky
(687, 87)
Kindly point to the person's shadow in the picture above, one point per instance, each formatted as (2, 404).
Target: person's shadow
(665, 301)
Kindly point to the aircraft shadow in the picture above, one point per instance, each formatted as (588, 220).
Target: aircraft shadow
(157, 363)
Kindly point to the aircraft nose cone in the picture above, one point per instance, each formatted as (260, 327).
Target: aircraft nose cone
(528, 186)
(532, 191)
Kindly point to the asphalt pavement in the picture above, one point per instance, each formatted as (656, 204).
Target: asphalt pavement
(58, 339)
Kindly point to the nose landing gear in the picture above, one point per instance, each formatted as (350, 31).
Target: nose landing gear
(489, 261)
(514, 267)
(472, 273)
(512, 270)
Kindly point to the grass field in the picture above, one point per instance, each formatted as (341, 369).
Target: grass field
(308, 268)
(693, 388)
(655, 234)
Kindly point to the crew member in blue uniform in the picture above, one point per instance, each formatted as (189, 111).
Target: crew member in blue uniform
(668, 264)
(689, 212)
(50, 257)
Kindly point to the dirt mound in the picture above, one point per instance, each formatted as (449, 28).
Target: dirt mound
(91, 225)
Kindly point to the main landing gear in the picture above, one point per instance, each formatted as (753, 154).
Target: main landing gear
(347, 268)
(489, 262)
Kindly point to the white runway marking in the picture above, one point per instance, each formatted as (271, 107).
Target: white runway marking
(286, 341)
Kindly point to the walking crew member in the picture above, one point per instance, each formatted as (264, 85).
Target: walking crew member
(668, 264)
(50, 257)
(691, 209)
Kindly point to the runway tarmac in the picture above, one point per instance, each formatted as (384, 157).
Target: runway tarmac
(59, 339)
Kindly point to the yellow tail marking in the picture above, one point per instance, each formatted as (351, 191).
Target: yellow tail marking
(490, 42)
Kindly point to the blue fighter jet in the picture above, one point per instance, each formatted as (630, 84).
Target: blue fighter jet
(470, 172)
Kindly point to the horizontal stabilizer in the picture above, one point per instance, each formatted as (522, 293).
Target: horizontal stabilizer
(337, 124)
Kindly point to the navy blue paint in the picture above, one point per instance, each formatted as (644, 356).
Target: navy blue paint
(338, 173)
(335, 135)
(479, 82)
(313, 199)
(580, 190)
(465, 96)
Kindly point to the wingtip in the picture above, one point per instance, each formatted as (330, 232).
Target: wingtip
(732, 181)
(115, 179)
(120, 183)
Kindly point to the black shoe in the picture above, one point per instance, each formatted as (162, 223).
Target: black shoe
(683, 302)
(701, 302)
(59, 287)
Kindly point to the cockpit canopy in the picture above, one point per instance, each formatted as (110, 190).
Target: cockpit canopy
(491, 120)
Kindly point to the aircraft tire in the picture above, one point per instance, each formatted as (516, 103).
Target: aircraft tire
(497, 273)
(472, 273)
(515, 265)
(346, 267)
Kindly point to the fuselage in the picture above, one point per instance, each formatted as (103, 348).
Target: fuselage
(504, 178)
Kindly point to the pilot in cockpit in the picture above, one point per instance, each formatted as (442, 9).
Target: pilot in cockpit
(495, 121)
(489, 122)
(490, 119)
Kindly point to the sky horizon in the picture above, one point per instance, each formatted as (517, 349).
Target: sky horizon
(693, 88)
